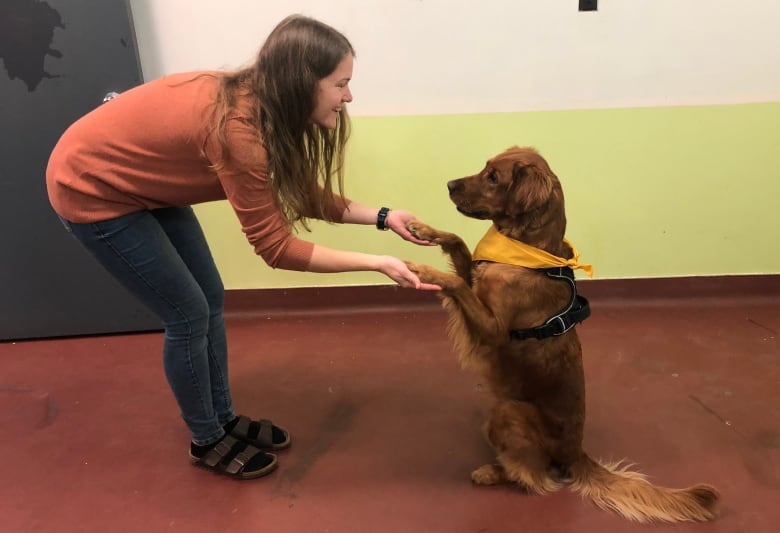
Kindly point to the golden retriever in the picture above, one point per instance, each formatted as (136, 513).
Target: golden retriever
(514, 324)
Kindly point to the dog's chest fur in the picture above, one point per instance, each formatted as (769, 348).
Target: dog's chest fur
(537, 296)
(547, 372)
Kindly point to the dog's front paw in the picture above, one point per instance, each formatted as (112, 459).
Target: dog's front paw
(422, 231)
(448, 241)
(426, 273)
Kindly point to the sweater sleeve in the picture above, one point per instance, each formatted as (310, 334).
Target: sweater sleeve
(334, 210)
(244, 178)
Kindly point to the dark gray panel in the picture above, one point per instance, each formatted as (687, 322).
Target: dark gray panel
(49, 286)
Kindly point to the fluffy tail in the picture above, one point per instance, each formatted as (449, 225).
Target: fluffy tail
(614, 487)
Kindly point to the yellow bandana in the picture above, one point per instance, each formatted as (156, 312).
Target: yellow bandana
(501, 249)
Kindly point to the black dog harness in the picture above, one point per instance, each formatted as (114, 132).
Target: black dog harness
(575, 312)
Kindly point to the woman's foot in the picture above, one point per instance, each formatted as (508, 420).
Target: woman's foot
(262, 434)
(234, 458)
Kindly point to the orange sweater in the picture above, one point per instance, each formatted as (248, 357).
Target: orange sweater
(142, 150)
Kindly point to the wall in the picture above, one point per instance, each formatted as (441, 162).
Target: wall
(660, 118)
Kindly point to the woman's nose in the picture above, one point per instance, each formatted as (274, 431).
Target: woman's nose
(347, 96)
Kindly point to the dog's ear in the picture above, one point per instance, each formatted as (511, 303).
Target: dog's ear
(531, 189)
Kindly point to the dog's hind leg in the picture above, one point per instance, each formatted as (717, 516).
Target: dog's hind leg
(491, 474)
(528, 468)
(512, 431)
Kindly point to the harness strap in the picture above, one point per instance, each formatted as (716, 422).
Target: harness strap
(577, 310)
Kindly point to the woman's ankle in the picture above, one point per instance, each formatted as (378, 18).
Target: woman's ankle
(199, 450)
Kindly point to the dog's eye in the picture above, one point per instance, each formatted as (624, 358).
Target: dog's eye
(492, 178)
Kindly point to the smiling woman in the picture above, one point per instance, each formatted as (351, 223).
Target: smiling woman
(332, 93)
(270, 139)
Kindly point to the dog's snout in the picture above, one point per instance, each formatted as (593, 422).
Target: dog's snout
(452, 185)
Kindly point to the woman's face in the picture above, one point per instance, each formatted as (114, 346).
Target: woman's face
(332, 93)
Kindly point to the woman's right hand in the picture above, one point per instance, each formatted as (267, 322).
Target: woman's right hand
(324, 259)
(397, 270)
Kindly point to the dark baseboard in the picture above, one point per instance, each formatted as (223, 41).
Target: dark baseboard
(320, 300)
(391, 298)
(684, 288)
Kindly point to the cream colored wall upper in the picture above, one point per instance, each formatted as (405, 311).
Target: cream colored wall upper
(462, 56)
(653, 189)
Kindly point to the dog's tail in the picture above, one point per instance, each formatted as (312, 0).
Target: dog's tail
(613, 486)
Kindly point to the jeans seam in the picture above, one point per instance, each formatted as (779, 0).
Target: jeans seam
(102, 236)
(222, 386)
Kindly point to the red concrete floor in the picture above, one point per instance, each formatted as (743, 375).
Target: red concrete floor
(386, 426)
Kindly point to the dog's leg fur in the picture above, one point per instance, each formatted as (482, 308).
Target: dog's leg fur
(451, 244)
(513, 432)
(456, 289)
(477, 318)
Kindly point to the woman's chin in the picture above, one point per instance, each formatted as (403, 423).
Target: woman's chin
(329, 124)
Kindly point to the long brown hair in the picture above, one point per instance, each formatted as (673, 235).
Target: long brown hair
(283, 82)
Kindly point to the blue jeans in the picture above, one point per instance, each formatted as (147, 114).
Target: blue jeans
(162, 257)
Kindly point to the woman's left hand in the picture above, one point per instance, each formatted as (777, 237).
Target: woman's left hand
(396, 221)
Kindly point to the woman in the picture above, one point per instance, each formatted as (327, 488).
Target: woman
(270, 139)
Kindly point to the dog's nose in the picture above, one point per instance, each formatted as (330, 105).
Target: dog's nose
(451, 185)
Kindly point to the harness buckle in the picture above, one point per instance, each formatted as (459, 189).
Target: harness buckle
(558, 319)
(568, 317)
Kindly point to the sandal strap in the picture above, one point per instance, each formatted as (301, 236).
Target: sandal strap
(265, 436)
(241, 459)
(225, 455)
(218, 453)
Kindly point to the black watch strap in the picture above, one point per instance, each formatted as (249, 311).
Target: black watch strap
(381, 219)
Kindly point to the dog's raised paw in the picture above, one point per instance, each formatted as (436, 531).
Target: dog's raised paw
(428, 274)
(421, 230)
(414, 267)
(424, 272)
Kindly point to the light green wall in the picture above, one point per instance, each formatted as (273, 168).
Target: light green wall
(650, 192)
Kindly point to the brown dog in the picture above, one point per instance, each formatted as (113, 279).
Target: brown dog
(514, 324)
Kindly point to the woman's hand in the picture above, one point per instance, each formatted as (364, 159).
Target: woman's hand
(324, 259)
(396, 221)
(397, 270)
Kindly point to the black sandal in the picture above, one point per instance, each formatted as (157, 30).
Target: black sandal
(262, 434)
(232, 457)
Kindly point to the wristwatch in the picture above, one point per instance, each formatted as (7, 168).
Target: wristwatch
(381, 219)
